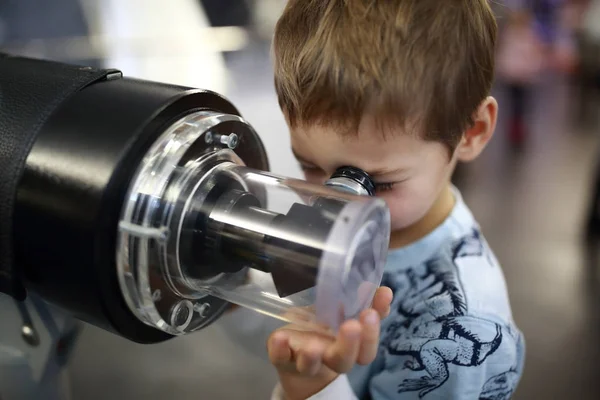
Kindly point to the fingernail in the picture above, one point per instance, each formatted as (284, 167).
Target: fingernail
(295, 344)
(372, 319)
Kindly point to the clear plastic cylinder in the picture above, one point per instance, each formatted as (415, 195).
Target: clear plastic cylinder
(200, 229)
(299, 252)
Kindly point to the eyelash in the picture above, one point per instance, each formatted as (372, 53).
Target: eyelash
(384, 187)
(309, 169)
(381, 187)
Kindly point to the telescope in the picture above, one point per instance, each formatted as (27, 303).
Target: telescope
(147, 209)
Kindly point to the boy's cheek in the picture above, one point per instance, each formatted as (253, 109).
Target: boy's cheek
(404, 219)
(406, 208)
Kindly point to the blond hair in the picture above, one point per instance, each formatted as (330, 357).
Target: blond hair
(427, 63)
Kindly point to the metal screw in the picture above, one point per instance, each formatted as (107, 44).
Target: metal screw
(181, 315)
(157, 295)
(29, 335)
(230, 140)
(202, 309)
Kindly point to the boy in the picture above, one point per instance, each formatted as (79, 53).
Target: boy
(400, 89)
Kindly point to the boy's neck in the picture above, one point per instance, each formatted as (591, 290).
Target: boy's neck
(436, 215)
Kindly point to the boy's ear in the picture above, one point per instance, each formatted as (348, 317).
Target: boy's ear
(477, 137)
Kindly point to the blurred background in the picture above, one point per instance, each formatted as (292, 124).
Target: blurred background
(536, 190)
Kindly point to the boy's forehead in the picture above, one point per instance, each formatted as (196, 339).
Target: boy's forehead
(378, 155)
(367, 139)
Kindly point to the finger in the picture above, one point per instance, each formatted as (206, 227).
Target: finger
(341, 355)
(279, 350)
(370, 337)
(382, 301)
(309, 358)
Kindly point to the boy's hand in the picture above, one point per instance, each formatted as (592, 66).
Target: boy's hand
(307, 361)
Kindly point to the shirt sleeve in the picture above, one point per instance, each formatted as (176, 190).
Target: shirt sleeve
(452, 359)
(339, 389)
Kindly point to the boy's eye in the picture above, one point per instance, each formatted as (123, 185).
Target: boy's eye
(384, 187)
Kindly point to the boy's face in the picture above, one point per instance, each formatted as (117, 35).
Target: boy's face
(410, 172)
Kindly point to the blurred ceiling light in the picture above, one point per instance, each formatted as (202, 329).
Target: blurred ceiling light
(206, 40)
(171, 42)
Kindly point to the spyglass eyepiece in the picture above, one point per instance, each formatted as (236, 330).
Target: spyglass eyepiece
(353, 180)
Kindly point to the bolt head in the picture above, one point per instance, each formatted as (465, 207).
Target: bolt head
(233, 141)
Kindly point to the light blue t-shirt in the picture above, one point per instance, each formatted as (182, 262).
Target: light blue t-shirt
(450, 334)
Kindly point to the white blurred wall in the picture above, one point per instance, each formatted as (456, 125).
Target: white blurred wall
(162, 41)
